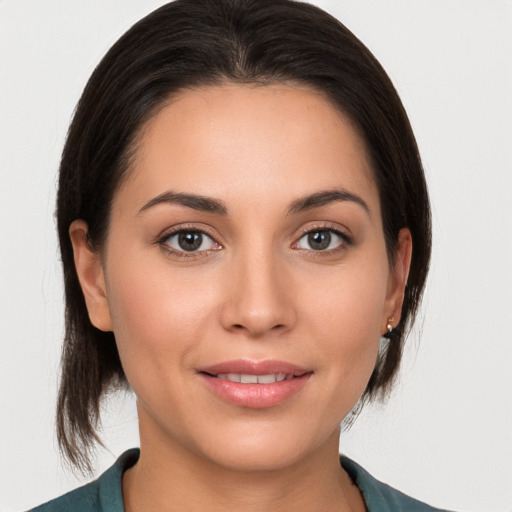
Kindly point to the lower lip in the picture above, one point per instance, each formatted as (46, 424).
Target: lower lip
(255, 396)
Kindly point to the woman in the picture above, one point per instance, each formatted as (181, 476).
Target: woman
(245, 235)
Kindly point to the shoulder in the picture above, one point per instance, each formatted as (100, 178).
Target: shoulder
(102, 495)
(83, 499)
(381, 497)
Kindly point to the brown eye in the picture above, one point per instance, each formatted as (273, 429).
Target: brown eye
(190, 241)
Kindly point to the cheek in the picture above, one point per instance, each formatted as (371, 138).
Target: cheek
(346, 317)
(157, 316)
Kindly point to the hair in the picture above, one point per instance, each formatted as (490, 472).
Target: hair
(194, 43)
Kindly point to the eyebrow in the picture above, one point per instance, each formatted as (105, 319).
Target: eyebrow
(194, 201)
(216, 206)
(325, 197)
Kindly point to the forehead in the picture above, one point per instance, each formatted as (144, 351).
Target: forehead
(235, 141)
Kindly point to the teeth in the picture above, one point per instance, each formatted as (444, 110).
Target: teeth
(255, 379)
(267, 379)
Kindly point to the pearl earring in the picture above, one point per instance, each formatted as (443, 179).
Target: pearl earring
(389, 327)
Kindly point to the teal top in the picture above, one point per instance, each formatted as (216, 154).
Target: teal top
(105, 494)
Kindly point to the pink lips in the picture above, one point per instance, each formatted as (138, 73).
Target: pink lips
(277, 382)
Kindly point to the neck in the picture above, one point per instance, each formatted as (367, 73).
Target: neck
(169, 477)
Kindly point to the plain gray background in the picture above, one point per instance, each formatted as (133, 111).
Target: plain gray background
(446, 434)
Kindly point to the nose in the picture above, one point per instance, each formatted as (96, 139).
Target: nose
(259, 298)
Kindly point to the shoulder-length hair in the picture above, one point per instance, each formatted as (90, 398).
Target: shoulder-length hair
(190, 43)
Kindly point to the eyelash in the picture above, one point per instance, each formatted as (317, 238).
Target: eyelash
(346, 240)
(163, 241)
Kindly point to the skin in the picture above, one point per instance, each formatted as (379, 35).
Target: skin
(258, 290)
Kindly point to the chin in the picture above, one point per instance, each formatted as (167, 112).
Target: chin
(255, 459)
(272, 450)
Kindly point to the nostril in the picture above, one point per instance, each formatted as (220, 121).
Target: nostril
(255, 330)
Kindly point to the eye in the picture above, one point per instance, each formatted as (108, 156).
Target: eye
(189, 241)
(321, 240)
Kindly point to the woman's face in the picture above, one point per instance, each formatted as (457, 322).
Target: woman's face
(246, 247)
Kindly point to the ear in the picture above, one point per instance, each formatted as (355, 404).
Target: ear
(397, 280)
(91, 276)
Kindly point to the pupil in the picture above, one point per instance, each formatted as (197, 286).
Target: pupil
(190, 241)
(319, 240)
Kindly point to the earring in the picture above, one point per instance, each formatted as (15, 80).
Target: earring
(389, 327)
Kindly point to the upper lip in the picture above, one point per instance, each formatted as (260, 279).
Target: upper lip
(248, 367)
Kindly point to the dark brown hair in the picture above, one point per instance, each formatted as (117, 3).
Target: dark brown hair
(190, 43)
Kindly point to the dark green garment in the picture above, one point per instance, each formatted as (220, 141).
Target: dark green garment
(104, 494)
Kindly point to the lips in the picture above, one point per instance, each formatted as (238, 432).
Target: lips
(255, 384)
